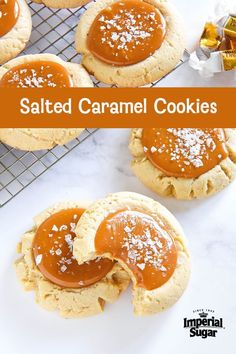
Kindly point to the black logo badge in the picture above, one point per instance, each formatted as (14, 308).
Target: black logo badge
(204, 324)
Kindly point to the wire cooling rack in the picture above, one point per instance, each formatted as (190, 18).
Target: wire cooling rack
(53, 32)
(20, 168)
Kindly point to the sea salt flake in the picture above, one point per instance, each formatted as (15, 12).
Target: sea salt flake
(127, 229)
(38, 259)
(68, 238)
(141, 266)
(72, 226)
(63, 268)
(114, 36)
(153, 149)
(58, 252)
(63, 228)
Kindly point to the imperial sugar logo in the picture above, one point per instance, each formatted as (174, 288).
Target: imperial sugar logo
(204, 324)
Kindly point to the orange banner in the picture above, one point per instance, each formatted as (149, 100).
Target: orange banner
(106, 107)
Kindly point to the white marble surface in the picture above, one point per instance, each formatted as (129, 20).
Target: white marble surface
(99, 166)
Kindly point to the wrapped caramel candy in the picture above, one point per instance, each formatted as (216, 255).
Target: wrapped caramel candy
(230, 27)
(228, 58)
(211, 38)
(217, 47)
(232, 43)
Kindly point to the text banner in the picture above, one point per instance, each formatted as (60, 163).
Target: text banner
(119, 108)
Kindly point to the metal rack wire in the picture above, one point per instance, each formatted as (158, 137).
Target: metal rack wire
(18, 168)
(53, 32)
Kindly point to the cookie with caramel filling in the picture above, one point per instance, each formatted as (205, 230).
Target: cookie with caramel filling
(15, 28)
(184, 163)
(130, 43)
(48, 267)
(145, 238)
(41, 71)
(62, 4)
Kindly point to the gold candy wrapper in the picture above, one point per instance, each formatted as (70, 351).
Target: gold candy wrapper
(211, 38)
(230, 27)
(228, 59)
(219, 36)
(232, 43)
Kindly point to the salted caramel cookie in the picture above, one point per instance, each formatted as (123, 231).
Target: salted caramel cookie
(32, 139)
(62, 4)
(47, 266)
(130, 42)
(145, 238)
(15, 28)
(41, 71)
(185, 163)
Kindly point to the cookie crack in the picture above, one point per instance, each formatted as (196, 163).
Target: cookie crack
(226, 172)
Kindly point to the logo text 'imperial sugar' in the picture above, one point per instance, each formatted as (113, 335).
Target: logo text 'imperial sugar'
(203, 326)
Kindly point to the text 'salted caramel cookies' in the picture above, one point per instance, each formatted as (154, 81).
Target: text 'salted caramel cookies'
(184, 162)
(41, 71)
(145, 239)
(48, 267)
(15, 28)
(126, 42)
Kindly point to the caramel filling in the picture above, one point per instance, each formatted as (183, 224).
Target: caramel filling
(126, 32)
(52, 251)
(142, 243)
(184, 152)
(9, 13)
(37, 74)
